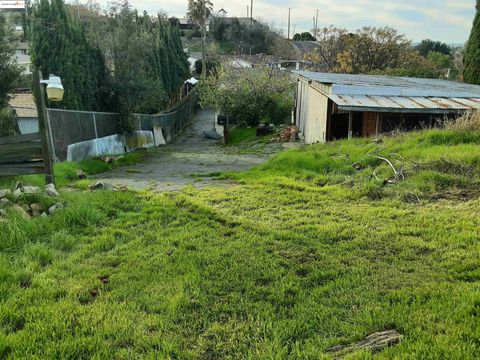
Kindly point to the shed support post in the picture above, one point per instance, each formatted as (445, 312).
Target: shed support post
(47, 151)
(377, 125)
(350, 124)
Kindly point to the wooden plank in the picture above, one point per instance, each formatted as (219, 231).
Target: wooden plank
(369, 124)
(22, 169)
(25, 155)
(20, 148)
(32, 152)
(16, 159)
(22, 165)
(19, 139)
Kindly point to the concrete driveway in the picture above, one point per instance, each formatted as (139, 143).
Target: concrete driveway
(189, 161)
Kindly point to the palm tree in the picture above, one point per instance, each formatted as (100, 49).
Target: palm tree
(199, 11)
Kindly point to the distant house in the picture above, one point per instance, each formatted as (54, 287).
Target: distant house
(26, 110)
(222, 13)
(187, 24)
(23, 57)
(335, 106)
(246, 61)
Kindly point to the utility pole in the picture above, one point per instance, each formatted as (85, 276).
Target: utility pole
(248, 11)
(316, 26)
(251, 10)
(289, 12)
(204, 43)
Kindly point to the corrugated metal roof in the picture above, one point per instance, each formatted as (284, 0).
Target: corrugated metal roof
(404, 104)
(391, 86)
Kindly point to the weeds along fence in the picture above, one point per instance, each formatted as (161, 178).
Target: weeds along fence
(69, 127)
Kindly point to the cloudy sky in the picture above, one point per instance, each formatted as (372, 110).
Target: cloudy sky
(446, 20)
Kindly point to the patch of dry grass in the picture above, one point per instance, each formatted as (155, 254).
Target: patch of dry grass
(468, 122)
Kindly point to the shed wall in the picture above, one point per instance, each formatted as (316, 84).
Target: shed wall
(312, 113)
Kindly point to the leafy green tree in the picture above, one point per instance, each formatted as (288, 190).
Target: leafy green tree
(212, 66)
(471, 73)
(371, 49)
(381, 51)
(9, 71)
(305, 36)
(9, 74)
(137, 86)
(250, 96)
(240, 36)
(412, 64)
(427, 46)
(199, 11)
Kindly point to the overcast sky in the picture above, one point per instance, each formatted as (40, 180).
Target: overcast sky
(446, 20)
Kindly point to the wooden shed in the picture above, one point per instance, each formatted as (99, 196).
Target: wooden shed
(335, 106)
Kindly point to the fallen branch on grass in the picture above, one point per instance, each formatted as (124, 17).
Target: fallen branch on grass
(398, 174)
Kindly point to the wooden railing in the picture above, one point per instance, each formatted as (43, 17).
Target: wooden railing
(29, 154)
(21, 155)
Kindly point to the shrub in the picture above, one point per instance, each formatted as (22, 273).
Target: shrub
(212, 66)
(250, 96)
(8, 122)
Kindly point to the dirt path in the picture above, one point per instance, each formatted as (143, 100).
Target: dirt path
(172, 167)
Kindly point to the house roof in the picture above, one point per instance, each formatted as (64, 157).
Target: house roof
(396, 94)
(192, 81)
(24, 105)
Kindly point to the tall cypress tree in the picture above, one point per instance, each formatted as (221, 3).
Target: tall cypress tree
(471, 74)
(58, 44)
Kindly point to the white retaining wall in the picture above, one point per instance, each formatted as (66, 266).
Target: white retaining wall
(110, 145)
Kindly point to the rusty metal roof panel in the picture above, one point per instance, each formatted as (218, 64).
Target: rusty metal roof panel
(473, 103)
(404, 104)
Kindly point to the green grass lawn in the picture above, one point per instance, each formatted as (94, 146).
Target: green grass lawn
(241, 134)
(306, 252)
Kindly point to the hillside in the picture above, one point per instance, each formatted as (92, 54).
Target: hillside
(319, 247)
(240, 36)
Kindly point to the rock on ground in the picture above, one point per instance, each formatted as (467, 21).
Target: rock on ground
(102, 186)
(53, 209)
(31, 190)
(4, 203)
(212, 134)
(36, 209)
(51, 190)
(20, 211)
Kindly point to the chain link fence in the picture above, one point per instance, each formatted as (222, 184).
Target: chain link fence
(69, 127)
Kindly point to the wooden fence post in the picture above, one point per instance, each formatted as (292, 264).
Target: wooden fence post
(43, 127)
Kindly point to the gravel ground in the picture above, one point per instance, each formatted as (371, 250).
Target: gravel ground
(172, 167)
